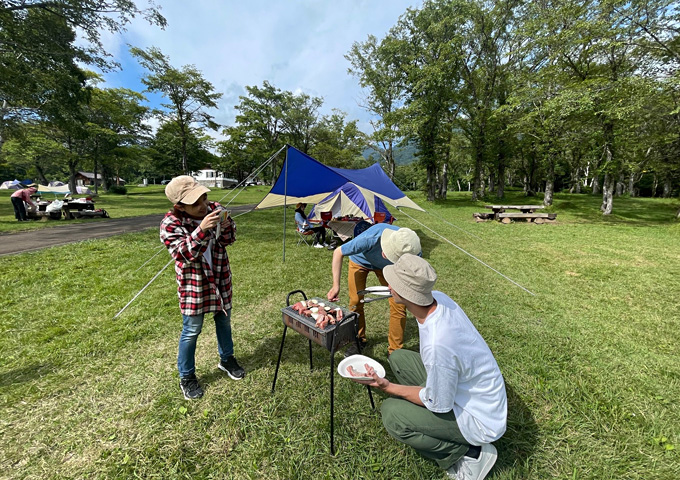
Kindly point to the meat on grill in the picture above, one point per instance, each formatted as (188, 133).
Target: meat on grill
(322, 314)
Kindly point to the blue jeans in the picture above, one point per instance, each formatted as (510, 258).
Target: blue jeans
(191, 328)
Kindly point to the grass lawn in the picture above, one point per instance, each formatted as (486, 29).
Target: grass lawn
(590, 362)
(138, 201)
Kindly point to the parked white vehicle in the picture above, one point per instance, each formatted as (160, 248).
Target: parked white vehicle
(213, 178)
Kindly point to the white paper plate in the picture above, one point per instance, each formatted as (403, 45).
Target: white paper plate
(378, 290)
(358, 362)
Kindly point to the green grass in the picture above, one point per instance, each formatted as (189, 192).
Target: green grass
(590, 361)
(138, 201)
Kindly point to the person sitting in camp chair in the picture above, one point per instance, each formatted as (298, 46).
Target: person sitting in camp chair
(304, 226)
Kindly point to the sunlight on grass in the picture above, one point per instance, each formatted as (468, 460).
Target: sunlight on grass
(590, 361)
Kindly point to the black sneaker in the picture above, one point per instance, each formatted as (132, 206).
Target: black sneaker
(352, 349)
(190, 387)
(232, 368)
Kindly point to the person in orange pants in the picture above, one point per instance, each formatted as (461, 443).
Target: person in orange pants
(371, 251)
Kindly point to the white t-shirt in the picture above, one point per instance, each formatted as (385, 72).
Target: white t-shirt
(462, 374)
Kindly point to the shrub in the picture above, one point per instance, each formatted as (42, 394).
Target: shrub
(118, 189)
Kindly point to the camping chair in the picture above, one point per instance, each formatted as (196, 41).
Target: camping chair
(302, 234)
(379, 217)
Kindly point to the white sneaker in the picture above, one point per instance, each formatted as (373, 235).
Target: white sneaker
(317, 245)
(474, 468)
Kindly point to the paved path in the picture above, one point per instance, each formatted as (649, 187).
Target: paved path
(13, 243)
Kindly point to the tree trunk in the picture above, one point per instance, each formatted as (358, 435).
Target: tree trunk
(444, 179)
(431, 176)
(631, 185)
(608, 194)
(621, 185)
(596, 185)
(41, 175)
(477, 189)
(667, 188)
(549, 182)
(96, 180)
(655, 185)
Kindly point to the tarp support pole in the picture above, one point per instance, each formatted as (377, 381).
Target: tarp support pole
(285, 200)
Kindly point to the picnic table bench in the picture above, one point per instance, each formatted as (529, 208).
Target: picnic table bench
(526, 212)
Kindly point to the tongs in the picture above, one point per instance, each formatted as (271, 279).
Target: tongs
(381, 292)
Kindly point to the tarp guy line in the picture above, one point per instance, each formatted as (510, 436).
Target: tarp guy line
(467, 253)
(144, 288)
(252, 175)
(172, 259)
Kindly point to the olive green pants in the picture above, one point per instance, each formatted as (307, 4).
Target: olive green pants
(433, 435)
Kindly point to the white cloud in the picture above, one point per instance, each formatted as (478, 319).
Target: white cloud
(296, 45)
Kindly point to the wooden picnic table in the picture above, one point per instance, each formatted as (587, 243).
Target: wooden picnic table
(526, 212)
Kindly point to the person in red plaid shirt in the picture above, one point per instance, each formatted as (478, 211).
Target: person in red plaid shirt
(191, 233)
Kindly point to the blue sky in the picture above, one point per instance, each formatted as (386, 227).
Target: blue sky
(296, 45)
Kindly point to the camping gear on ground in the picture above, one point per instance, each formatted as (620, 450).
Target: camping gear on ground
(332, 337)
(82, 208)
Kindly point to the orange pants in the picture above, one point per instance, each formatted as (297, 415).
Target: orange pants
(357, 282)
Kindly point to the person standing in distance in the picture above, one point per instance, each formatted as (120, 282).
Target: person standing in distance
(18, 198)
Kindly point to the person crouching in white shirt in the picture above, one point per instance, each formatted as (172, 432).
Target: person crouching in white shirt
(450, 402)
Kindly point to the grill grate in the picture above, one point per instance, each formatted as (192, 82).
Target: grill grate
(341, 333)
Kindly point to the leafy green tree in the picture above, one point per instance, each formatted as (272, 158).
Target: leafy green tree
(39, 75)
(190, 95)
(338, 142)
(382, 79)
(114, 122)
(168, 149)
(300, 116)
(260, 120)
(33, 152)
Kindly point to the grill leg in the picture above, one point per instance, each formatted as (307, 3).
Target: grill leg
(332, 396)
(310, 355)
(278, 362)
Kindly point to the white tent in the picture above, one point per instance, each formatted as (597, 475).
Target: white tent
(53, 189)
(11, 185)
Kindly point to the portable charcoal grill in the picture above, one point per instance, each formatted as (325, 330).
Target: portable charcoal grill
(332, 338)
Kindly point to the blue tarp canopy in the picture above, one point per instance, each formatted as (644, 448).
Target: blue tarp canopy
(304, 179)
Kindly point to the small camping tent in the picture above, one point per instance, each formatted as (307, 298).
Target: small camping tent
(350, 200)
(11, 185)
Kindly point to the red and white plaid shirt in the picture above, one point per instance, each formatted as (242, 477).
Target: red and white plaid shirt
(201, 289)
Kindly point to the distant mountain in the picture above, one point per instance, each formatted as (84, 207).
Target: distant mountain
(402, 155)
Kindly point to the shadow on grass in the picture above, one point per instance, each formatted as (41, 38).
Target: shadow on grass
(517, 446)
(25, 374)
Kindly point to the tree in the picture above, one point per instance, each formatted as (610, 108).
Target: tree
(32, 152)
(299, 117)
(383, 81)
(114, 123)
(39, 76)
(337, 142)
(89, 17)
(190, 95)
